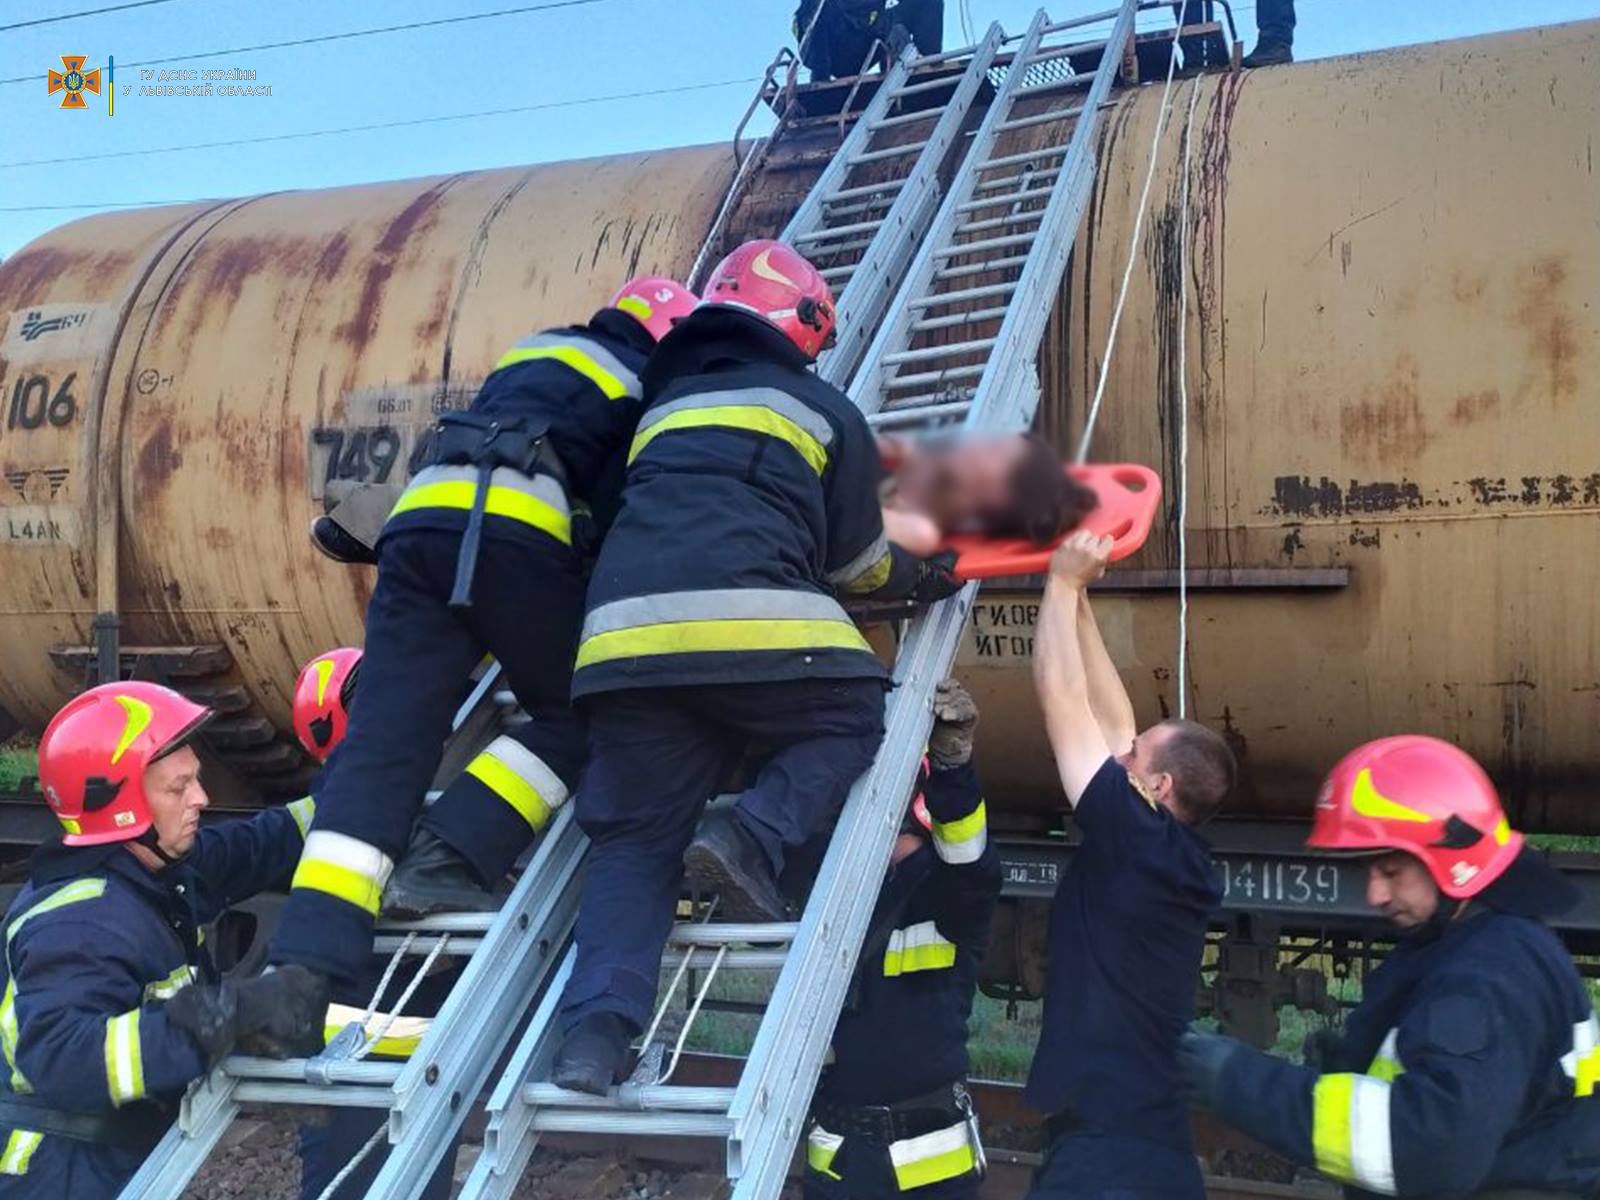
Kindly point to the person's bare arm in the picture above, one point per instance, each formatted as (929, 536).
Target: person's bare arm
(1113, 711)
(1059, 672)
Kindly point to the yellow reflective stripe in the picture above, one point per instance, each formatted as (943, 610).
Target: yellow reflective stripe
(917, 947)
(77, 890)
(502, 502)
(933, 1157)
(694, 637)
(302, 810)
(340, 882)
(1350, 1131)
(165, 989)
(569, 356)
(69, 825)
(1386, 1065)
(754, 418)
(873, 578)
(512, 788)
(822, 1148)
(124, 1058)
(8, 1037)
(963, 840)
(1582, 1062)
(344, 867)
(19, 1150)
(73, 893)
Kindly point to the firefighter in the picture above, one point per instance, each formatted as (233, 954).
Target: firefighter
(892, 1114)
(713, 634)
(844, 33)
(1129, 918)
(111, 1005)
(478, 555)
(1469, 1067)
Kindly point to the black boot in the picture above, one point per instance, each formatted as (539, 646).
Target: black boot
(337, 543)
(1269, 52)
(725, 859)
(592, 1055)
(434, 878)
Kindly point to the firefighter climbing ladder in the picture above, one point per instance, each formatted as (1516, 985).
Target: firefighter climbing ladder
(957, 345)
(507, 956)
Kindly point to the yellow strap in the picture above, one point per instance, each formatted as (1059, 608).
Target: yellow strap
(694, 637)
(19, 1150)
(822, 1148)
(501, 502)
(755, 418)
(963, 828)
(340, 882)
(935, 1169)
(1330, 1124)
(570, 356)
(873, 578)
(302, 810)
(512, 788)
(934, 957)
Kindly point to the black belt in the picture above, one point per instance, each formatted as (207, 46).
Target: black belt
(886, 1123)
(137, 1127)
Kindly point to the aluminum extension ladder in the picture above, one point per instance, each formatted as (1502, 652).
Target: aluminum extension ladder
(508, 956)
(987, 281)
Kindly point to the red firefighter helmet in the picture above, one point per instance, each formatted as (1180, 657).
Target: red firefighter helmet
(322, 695)
(94, 752)
(1422, 796)
(779, 285)
(656, 302)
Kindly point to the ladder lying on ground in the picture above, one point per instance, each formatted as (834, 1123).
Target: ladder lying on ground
(970, 299)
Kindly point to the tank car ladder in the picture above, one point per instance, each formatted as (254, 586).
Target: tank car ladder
(508, 955)
(1010, 218)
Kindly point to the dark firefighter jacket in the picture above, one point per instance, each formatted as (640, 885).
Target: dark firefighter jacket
(751, 498)
(94, 946)
(1470, 1064)
(903, 1033)
(583, 382)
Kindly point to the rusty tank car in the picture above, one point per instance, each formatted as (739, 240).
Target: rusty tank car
(1391, 300)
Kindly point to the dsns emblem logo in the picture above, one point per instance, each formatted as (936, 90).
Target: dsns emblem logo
(74, 81)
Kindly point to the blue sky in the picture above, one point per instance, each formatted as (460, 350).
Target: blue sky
(593, 48)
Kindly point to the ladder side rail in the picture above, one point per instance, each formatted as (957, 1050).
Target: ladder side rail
(810, 216)
(894, 334)
(443, 1076)
(875, 279)
(1001, 401)
(774, 1093)
(204, 1115)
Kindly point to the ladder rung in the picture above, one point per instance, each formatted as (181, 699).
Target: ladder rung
(1079, 22)
(388, 943)
(1044, 118)
(730, 933)
(1032, 216)
(943, 56)
(1013, 180)
(734, 960)
(832, 273)
(1012, 160)
(885, 189)
(958, 319)
(856, 210)
(872, 156)
(631, 1124)
(977, 293)
(1003, 199)
(293, 1070)
(926, 114)
(658, 1098)
(1059, 52)
(248, 1091)
(456, 922)
(1016, 239)
(911, 414)
(928, 353)
(983, 268)
(905, 381)
(837, 231)
(915, 89)
(1055, 85)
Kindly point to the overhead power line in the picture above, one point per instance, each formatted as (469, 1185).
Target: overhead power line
(87, 12)
(338, 37)
(312, 133)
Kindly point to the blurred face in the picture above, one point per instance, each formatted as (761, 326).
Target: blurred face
(961, 484)
(1400, 888)
(1140, 763)
(172, 787)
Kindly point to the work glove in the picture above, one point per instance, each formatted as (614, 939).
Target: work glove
(1202, 1058)
(899, 38)
(279, 1014)
(955, 721)
(936, 578)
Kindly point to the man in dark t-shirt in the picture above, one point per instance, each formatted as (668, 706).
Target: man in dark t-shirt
(1128, 925)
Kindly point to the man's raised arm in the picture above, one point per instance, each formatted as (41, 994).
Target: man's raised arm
(1108, 698)
(1060, 673)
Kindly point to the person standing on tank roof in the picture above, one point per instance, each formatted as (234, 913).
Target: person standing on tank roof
(1129, 918)
(480, 539)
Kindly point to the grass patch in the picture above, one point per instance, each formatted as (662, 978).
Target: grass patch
(1565, 841)
(15, 763)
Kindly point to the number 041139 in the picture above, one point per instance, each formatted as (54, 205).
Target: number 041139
(1268, 881)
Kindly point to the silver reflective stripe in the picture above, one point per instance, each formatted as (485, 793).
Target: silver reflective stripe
(861, 563)
(714, 604)
(779, 402)
(540, 487)
(530, 768)
(603, 358)
(1371, 1147)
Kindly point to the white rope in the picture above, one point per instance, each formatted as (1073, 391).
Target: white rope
(388, 976)
(371, 1040)
(1183, 413)
(355, 1161)
(688, 1021)
(1133, 252)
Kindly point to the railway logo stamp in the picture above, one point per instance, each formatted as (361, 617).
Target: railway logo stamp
(74, 81)
(36, 325)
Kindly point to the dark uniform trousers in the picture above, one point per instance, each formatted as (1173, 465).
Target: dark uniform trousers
(656, 756)
(326, 1149)
(527, 609)
(865, 1176)
(1088, 1165)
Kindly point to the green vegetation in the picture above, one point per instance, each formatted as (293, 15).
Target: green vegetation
(16, 761)
(1562, 841)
